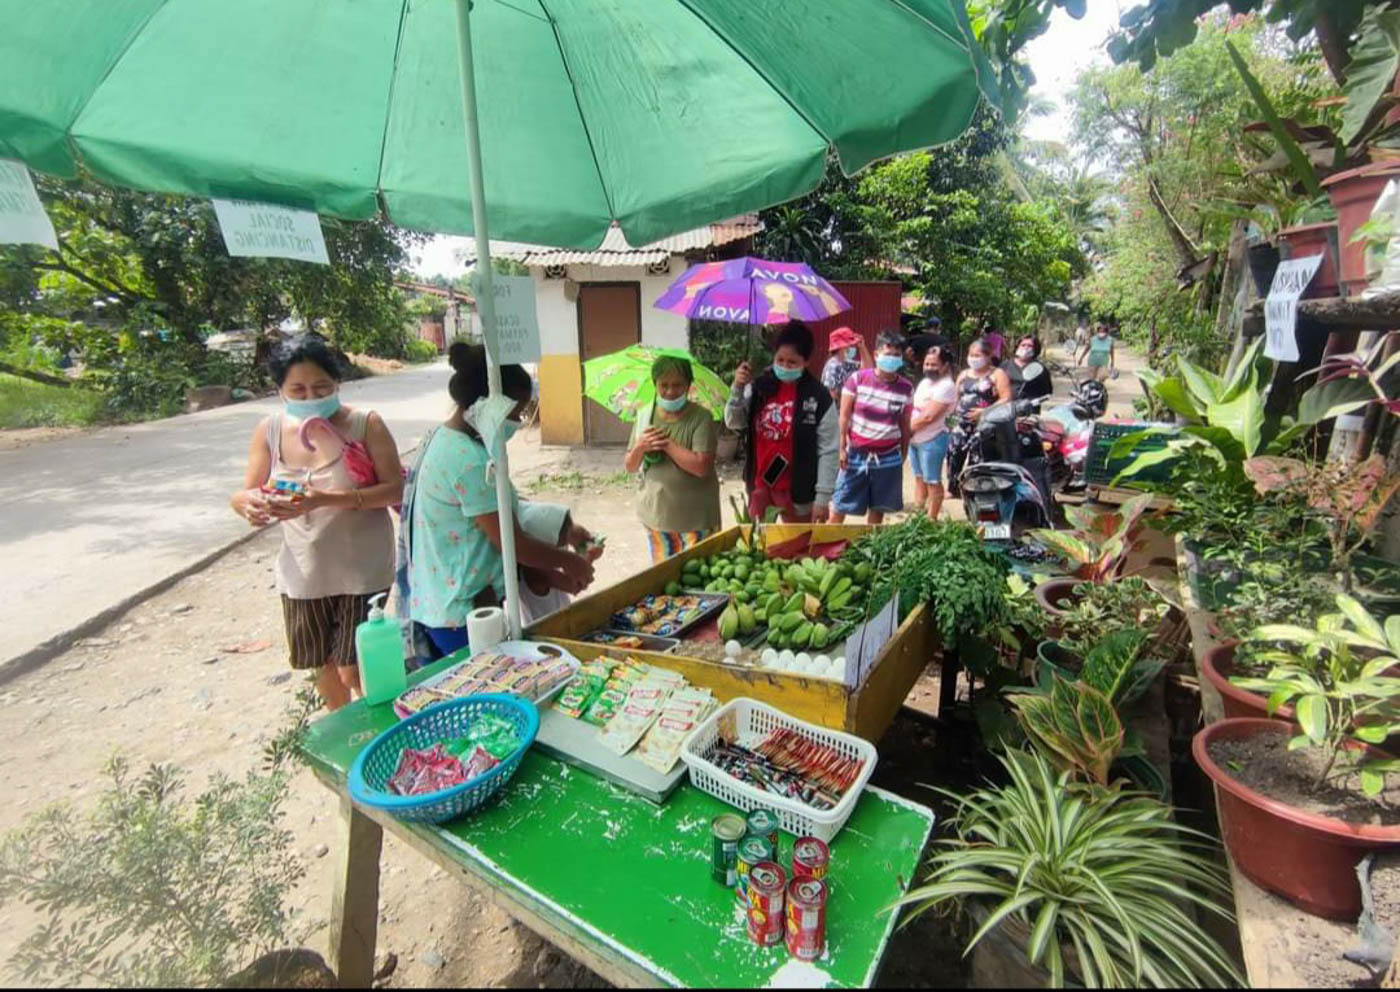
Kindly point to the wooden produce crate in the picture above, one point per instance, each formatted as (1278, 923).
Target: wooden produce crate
(866, 711)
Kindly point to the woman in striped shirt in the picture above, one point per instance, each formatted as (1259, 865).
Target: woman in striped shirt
(875, 410)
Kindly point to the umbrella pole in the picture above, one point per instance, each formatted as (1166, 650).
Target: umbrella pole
(486, 306)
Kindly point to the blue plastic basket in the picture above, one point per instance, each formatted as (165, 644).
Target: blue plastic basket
(370, 773)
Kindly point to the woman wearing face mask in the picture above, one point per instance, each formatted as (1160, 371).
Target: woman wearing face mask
(933, 401)
(337, 539)
(848, 354)
(679, 503)
(980, 385)
(1029, 378)
(875, 408)
(792, 423)
(455, 561)
(1101, 353)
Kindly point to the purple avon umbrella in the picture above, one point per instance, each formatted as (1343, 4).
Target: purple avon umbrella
(752, 291)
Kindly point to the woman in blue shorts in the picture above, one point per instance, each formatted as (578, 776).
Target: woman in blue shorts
(933, 401)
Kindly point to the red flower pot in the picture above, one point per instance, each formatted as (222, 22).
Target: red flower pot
(1306, 858)
(1218, 663)
(1353, 194)
(1314, 239)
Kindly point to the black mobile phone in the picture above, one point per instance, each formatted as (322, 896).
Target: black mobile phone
(776, 467)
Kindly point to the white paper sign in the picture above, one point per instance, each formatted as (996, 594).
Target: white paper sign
(22, 217)
(1281, 308)
(263, 230)
(868, 640)
(517, 323)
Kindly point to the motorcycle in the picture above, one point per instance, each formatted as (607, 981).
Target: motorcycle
(1065, 433)
(1002, 482)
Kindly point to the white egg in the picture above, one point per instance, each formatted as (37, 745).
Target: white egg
(732, 648)
(821, 661)
(769, 656)
(804, 659)
(838, 669)
(786, 658)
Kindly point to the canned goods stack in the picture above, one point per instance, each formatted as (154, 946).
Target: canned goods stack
(767, 888)
(806, 918)
(726, 831)
(778, 906)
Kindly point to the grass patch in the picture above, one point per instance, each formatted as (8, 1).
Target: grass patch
(576, 482)
(24, 403)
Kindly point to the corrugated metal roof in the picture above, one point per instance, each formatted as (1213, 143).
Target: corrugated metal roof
(615, 251)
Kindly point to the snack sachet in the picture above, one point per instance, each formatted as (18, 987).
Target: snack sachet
(684, 711)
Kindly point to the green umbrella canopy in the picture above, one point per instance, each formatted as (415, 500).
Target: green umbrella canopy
(661, 114)
(621, 381)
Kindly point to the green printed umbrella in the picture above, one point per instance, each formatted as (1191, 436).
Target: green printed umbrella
(659, 115)
(621, 381)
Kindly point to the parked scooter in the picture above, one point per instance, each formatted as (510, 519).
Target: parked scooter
(1002, 483)
(1065, 433)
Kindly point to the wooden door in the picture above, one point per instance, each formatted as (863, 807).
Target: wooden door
(609, 319)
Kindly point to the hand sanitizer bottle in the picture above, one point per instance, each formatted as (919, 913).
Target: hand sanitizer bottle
(379, 645)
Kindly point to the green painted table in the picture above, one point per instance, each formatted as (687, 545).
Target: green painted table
(617, 882)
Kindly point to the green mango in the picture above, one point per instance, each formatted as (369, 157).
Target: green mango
(747, 620)
(673, 588)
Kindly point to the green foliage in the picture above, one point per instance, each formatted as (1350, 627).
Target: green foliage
(151, 888)
(1108, 876)
(1075, 725)
(720, 346)
(33, 404)
(1099, 546)
(942, 563)
(1099, 609)
(1336, 680)
(419, 350)
(1004, 27)
(1121, 665)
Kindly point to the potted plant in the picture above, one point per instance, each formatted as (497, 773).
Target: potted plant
(1082, 883)
(1097, 550)
(1256, 604)
(1096, 610)
(1301, 804)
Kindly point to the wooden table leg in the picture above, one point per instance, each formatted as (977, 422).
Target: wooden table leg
(355, 897)
(948, 683)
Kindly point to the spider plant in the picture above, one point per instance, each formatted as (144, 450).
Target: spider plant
(1101, 881)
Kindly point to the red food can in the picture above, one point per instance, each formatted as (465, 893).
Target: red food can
(806, 918)
(810, 858)
(767, 885)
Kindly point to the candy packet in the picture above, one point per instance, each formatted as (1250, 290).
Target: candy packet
(682, 713)
(637, 713)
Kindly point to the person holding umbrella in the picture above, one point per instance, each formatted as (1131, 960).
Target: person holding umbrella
(675, 454)
(848, 353)
(793, 431)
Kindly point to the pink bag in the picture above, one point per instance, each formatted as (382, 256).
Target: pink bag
(358, 462)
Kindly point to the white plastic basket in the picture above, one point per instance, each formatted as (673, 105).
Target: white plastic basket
(754, 721)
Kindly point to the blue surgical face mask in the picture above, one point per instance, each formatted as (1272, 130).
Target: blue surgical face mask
(786, 374)
(889, 363)
(852, 354)
(509, 427)
(326, 406)
(672, 406)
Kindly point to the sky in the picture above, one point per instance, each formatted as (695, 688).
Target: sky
(1056, 57)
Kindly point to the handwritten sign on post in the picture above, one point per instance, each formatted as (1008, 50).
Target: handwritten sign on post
(266, 231)
(517, 323)
(22, 217)
(1281, 308)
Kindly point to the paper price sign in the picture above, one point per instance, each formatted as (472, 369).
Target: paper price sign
(22, 217)
(1281, 308)
(261, 230)
(517, 323)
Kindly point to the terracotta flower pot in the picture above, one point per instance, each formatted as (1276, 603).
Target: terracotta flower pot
(1314, 239)
(1353, 194)
(1055, 595)
(1218, 663)
(1306, 858)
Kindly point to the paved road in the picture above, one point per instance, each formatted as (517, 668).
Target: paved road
(91, 520)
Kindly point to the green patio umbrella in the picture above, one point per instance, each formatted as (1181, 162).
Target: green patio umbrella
(621, 381)
(661, 115)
